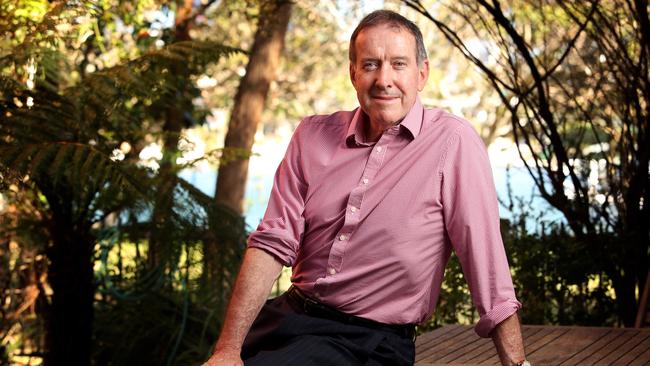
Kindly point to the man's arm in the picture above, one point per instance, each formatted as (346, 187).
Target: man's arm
(508, 341)
(256, 276)
(471, 213)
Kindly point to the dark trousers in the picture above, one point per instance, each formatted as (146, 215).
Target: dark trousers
(283, 334)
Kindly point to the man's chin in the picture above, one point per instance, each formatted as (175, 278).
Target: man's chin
(386, 120)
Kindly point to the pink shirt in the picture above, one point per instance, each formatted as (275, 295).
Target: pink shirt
(369, 227)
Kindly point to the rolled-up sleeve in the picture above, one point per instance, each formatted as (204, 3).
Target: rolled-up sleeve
(471, 216)
(280, 230)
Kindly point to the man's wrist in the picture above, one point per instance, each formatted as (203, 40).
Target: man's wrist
(227, 347)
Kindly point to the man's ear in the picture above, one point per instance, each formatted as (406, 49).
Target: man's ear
(423, 74)
(353, 74)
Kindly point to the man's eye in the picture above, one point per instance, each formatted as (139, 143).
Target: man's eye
(369, 65)
(399, 64)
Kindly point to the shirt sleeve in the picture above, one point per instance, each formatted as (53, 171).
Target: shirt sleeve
(471, 216)
(280, 231)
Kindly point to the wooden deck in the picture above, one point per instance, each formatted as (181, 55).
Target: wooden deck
(545, 345)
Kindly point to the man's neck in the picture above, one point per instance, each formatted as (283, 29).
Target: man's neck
(373, 131)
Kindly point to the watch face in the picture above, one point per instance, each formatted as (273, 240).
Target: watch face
(525, 363)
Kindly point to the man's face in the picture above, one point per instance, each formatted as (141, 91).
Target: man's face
(386, 75)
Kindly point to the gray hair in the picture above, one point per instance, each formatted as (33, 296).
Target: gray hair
(380, 17)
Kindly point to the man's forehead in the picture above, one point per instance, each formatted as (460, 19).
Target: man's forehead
(365, 38)
(395, 27)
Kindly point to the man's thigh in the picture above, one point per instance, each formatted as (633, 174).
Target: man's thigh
(325, 350)
(281, 335)
(317, 350)
(393, 350)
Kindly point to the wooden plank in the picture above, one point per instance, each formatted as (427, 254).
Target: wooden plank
(584, 353)
(486, 346)
(545, 345)
(429, 339)
(455, 352)
(476, 347)
(623, 348)
(546, 336)
(434, 353)
(443, 348)
(634, 353)
(541, 339)
(425, 343)
(567, 345)
(606, 345)
(642, 359)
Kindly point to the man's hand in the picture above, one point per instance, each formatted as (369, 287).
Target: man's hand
(256, 276)
(225, 357)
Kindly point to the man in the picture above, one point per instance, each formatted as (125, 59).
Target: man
(366, 207)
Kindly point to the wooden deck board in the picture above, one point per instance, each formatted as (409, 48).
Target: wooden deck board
(424, 344)
(608, 337)
(612, 342)
(550, 335)
(545, 345)
(432, 338)
(567, 345)
(634, 353)
(622, 349)
(642, 359)
(443, 347)
(487, 346)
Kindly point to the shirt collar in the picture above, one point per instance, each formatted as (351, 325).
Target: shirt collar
(412, 123)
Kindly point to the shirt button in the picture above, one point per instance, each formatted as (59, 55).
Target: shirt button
(332, 271)
(365, 181)
(379, 149)
(353, 209)
(342, 237)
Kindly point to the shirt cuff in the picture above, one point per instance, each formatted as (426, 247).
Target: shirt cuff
(281, 251)
(495, 316)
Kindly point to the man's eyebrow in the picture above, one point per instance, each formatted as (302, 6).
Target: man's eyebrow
(365, 59)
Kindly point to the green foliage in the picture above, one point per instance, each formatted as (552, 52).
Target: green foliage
(556, 278)
(454, 303)
(573, 76)
(71, 179)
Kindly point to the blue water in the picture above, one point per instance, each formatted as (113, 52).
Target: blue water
(260, 181)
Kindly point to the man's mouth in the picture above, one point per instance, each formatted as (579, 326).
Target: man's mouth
(384, 97)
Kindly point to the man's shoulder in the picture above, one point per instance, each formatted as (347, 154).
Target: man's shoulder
(339, 118)
(445, 118)
(324, 125)
(449, 123)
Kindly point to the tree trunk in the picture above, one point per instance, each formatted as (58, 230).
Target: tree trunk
(624, 286)
(69, 318)
(249, 101)
(172, 127)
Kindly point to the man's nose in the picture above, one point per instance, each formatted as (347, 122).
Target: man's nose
(384, 77)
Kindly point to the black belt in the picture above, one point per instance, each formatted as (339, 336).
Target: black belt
(317, 309)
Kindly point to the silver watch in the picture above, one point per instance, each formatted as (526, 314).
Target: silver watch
(524, 363)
